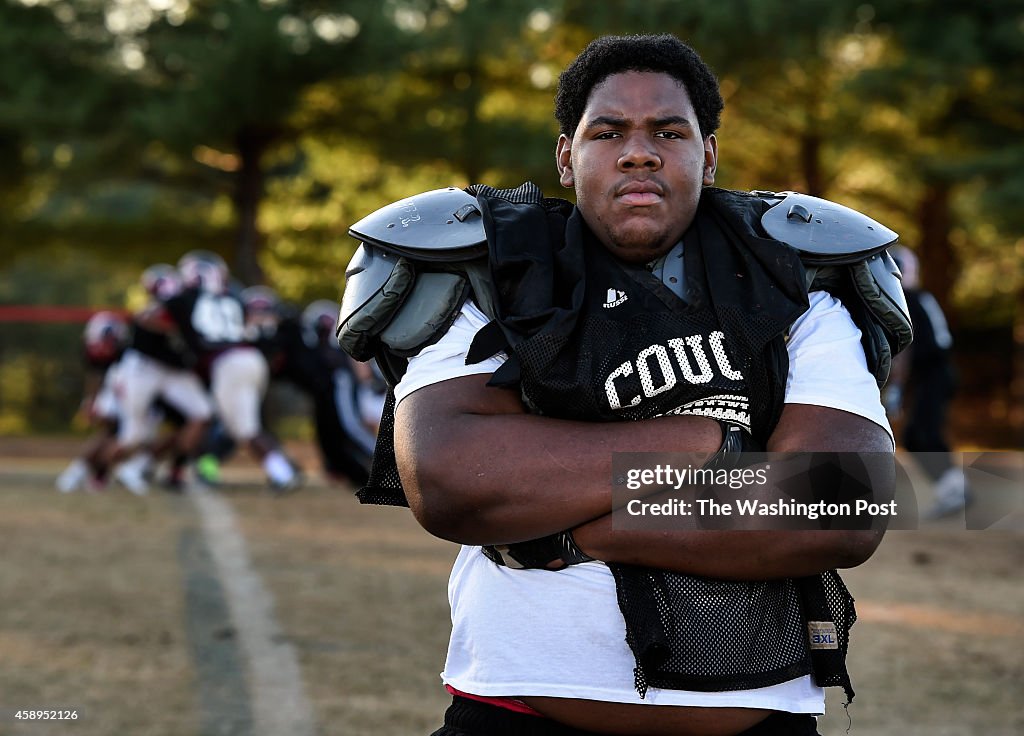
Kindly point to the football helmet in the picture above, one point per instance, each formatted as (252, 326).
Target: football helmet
(161, 281)
(260, 299)
(319, 322)
(205, 270)
(105, 335)
(908, 264)
(262, 308)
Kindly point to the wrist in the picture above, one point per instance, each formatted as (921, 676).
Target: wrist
(570, 550)
(588, 538)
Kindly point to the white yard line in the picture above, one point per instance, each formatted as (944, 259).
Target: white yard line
(277, 694)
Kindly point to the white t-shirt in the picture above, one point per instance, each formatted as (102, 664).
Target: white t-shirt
(561, 634)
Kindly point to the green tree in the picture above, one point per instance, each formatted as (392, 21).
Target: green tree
(960, 85)
(225, 79)
(473, 93)
(951, 92)
(55, 86)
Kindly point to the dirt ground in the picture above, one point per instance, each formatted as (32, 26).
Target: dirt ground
(99, 614)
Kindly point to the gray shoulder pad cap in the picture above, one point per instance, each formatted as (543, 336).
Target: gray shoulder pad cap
(824, 232)
(367, 272)
(439, 225)
(376, 283)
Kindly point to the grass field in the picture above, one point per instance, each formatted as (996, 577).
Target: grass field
(111, 605)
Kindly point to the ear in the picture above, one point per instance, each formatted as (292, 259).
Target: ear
(563, 160)
(710, 159)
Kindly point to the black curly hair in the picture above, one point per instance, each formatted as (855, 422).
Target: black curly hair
(610, 55)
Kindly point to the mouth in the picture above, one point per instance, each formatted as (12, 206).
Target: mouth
(640, 194)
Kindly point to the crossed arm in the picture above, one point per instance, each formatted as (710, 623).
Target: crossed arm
(478, 469)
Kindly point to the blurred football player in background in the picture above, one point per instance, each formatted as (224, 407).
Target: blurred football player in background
(211, 322)
(921, 386)
(103, 342)
(342, 392)
(156, 367)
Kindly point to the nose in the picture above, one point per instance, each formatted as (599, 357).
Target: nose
(639, 152)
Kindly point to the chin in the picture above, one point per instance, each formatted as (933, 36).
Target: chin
(635, 256)
(640, 247)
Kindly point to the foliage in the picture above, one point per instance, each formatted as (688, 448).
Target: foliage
(53, 86)
(949, 98)
(134, 130)
(223, 82)
(472, 93)
(310, 212)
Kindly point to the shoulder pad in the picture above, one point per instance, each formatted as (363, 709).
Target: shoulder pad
(367, 273)
(376, 283)
(388, 305)
(439, 225)
(824, 232)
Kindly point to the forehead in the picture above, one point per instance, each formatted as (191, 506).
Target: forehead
(639, 95)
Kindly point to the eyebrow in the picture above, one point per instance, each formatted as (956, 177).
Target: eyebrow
(620, 122)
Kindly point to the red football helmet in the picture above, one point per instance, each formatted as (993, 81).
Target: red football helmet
(105, 335)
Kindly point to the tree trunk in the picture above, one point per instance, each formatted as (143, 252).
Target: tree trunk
(248, 195)
(810, 164)
(938, 261)
(472, 134)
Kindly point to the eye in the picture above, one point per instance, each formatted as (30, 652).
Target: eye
(668, 134)
(607, 135)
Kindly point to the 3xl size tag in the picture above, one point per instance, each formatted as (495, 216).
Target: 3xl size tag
(822, 635)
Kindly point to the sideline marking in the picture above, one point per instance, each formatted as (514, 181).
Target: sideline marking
(223, 695)
(277, 695)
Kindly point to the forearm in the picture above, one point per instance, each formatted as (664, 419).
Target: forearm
(856, 464)
(729, 555)
(481, 473)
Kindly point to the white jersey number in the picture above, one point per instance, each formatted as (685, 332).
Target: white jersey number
(218, 318)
